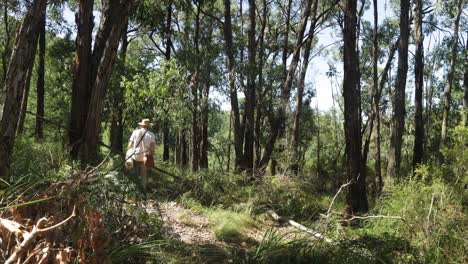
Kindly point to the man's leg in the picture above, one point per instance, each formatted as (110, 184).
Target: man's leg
(144, 176)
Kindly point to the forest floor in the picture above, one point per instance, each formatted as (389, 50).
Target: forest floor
(193, 227)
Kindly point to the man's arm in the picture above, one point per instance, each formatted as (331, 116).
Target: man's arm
(130, 141)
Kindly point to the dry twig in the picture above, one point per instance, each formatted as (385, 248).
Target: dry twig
(29, 237)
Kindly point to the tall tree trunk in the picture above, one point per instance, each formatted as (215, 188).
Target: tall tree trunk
(113, 20)
(7, 42)
(465, 86)
(279, 124)
(418, 84)
(117, 122)
(228, 163)
(450, 75)
(376, 102)
(204, 125)
(181, 157)
(24, 100)
(168, 58)
(260, 89)
(81, 87)
(357, 196)
(195, 151)
(300, 89)
(21, 60)
(250, 93)
(285, 54)
(398, 116)
(39, 131)
(232, 85)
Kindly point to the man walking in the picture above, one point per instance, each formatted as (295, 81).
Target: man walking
(143, 143)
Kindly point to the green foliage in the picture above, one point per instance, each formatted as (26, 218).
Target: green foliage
(33, 160)
(434, 221)
(290, 197)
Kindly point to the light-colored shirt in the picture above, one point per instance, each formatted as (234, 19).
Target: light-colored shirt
(144, 144)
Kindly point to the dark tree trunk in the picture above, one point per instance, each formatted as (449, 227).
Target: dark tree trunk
(250, 93)
(357, 195)
(300, 89)
(260, 89)
(204, 126)
(418, 84)
(398, 115)
(285, 54)
(195, 143)
(24, 100)
(81, 88)
(7, 42)
(39, 132)
(465, 87)
(278, 125)
(450, 75)
(168, 58)
(376, 104)
(232, 86)
(21, 60)
(181, 157)
(117, 122)
(113, 20)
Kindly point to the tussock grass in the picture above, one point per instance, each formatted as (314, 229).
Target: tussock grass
(230, 226)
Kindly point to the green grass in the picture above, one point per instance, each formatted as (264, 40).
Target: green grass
(230, 226)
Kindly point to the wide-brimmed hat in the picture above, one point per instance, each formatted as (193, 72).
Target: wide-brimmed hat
(145, 122)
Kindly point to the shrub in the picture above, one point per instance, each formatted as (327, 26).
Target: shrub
(434, 221)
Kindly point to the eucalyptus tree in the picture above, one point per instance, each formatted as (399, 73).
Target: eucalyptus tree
(357, 195)
(451, 73)
(418, 38)
(93, 69)
(398, 106)
(21, 60)
(40, 86)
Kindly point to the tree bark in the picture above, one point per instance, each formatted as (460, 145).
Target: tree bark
(232, 86)
(39, 131)
(398, 116)
(357, 197)
(81, 87)
(450, 76)
(113, 20)
(260, 92)
(181, 157)
(168, 58)
(204, 126)
(376, 102)
(21, 59)
(195, 143)
(117, 122)
(6, 50)
(250, 92)
(465, 87)
(24, 100)
(418, 38)
(300, 89)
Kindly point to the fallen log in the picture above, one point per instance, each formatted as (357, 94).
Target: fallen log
(295, 224)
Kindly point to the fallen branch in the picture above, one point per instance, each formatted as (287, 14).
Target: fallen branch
(373, 217)
(295, 224)
(336, 195)
(29, 237)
